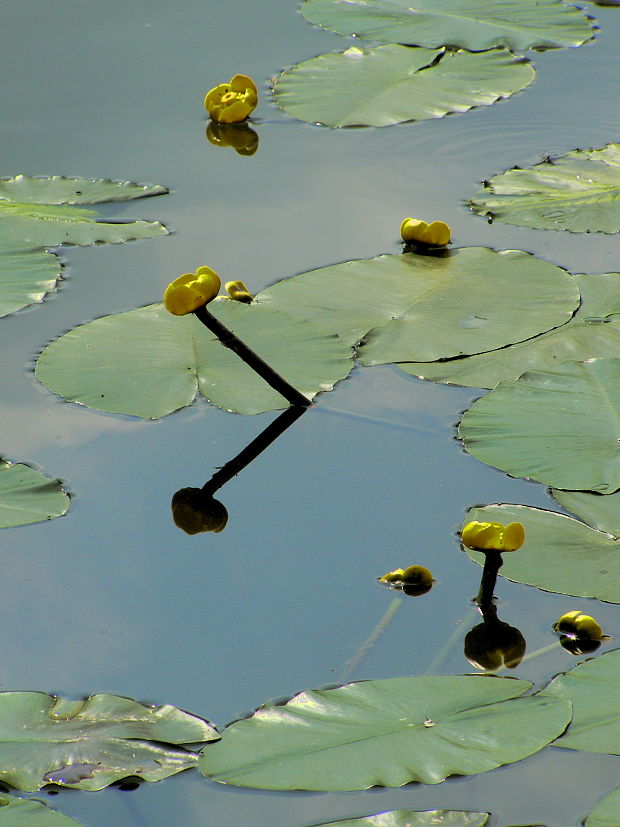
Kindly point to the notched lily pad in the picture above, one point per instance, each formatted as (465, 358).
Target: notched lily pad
(579, 192)
(385, 733)
(27, 496)
(487, 24)
(89, 744)
(391, 84)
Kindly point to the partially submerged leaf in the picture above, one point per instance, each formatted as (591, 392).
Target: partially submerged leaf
(559, 555)
(89, 744)
(560, 426)
(415, 818)
(385, 732)
(579, 192)
(468, 24)
(148, 363)
(26, 812)
(25, 277)
(391, 84)
(597, 510)
(27, 496)
(423, 307)
(592, 688)
(606, 813)
(60, 190)
(593, 331)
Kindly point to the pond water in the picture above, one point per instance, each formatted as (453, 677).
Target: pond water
(113, 597)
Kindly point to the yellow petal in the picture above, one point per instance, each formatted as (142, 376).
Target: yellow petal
(238, 291)
(214, 96)
(412, 229)
(191, 290)
(438, 234)
(514, 537)
(234, 112)
(239, 83)
(493, 536)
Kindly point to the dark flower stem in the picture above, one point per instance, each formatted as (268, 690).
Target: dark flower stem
(230, 340)
(492, 564)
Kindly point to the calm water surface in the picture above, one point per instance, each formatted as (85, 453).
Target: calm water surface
(113, 597)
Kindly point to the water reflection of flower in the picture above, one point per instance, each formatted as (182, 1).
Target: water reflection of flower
(240, 136)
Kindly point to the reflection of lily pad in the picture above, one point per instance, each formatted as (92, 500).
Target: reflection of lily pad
(592, 688)
(27, 496)
(579, 191)
(593, 331)
(415, 818)
(597, 510)
(463, 23)
(560, 554)
(89, 744)
(149, 363)
(385, 733)
(421, 307)
(26, 812)
(606, 813)
(391, 84)
(560, 426)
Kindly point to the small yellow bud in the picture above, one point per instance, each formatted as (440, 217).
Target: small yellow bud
(413, 230)
(493, 536)
(238, 291)
(414, 580)
(232, 102)
(191, 290)
(577, 625)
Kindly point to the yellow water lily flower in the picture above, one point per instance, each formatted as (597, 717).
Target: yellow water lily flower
(436, 234)
(493, 536)
(232, 102)
(191, 291)
(238, 291)
(576, 624)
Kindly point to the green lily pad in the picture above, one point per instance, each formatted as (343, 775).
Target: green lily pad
(391, 84)
(560, 427)
(594, 331)
(597, 510)
(606, 813)
(592, 688)
(26, 812)
(430, 307)
(148, 363)
(415, 818)
(385, 733)
(486, 24)
(88, 744)
(579, 192)
(25, 277)
(59, 190)
(559, 555)
(27, 496)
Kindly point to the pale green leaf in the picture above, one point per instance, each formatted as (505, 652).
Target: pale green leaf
(25, 277)
(415, 818)
(27, 496)
(597, 510)
(26, 812)
(606, 813)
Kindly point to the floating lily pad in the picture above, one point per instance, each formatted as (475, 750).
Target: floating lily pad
(88, 744)
(597, 510)
(606, 813)
(410, 306)
(593, 689)
(25, 277)
(579, 192)
(392, 84)
(468, 24)
(27, 496)
(25, 812)
(593, 331)
(415, 818)
(148, 363)
(385, 733)
(560, 554)
(560, 427)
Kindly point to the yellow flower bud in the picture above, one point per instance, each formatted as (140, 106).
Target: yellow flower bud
(191, 290)
(413, 230)
(414, 580)
(232, 102)
(493, 536)
(577, 625)
(238, 291)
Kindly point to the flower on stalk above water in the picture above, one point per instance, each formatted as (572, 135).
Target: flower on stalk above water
(415, 231)
(493, 536)
(191, 290)
(232, 102)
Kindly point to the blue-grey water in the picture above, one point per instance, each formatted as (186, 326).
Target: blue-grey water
(113, 597)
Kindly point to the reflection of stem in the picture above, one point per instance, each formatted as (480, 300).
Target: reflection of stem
(230, 340)
(449, 645)
(364, 650)
(251, 451)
